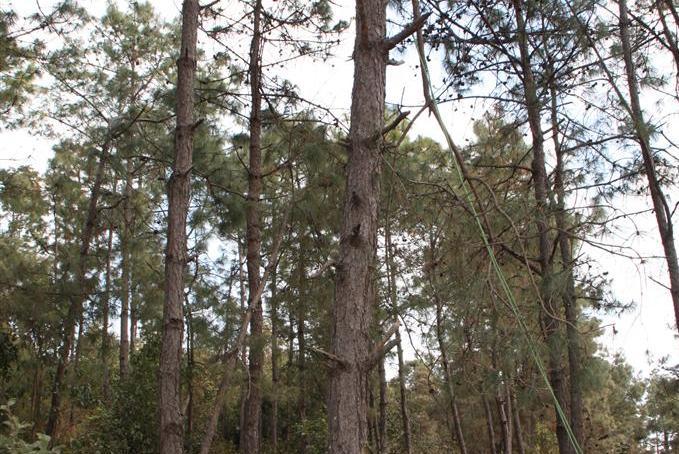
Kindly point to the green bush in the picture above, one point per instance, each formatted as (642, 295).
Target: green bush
(10, 438)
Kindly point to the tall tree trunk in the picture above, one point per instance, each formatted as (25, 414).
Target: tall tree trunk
(516, 418)
(189, 372)
(301, 345)
(490, 425)
(504, 410)
(250, 436)
(661, 208)
(76, 304)
(568, 295)
(232, 355)
(458, 435)
(382, 421)
(178, 192)
(354, 293)
(106, 301)
(548, 309)
(275, 354)
(393, 302)
(405, 415)
(124, 353)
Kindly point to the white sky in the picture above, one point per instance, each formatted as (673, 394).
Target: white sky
(644, 334)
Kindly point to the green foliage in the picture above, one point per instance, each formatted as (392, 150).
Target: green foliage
(126, 424)
(11, 441)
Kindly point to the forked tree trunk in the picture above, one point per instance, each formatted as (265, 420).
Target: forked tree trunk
(354, 293)
(178, 193)
(662, 210)
(250, 436)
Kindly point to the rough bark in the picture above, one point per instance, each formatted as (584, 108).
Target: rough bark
(354, 293)
(250, 436)
(178, 192)
(550, 324)
(75, 307)
(662, 210)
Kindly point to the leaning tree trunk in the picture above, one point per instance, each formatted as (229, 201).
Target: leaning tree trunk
(548, 309)
(178, 193)
(76, 307)
(663, 212)
(489, 424)
(250, 435)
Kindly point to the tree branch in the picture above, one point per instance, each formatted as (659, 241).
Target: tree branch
(390, 43)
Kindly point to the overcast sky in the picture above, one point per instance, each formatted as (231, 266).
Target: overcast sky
(644, 334)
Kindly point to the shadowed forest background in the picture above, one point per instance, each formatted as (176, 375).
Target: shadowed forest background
(211, 262)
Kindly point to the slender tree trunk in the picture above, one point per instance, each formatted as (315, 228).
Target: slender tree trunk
(190, 369)
(518, 431)
(549, 323)
(354, 293)
(275, 354)
(178, 191)
(76, 366)
(504, 410)
(382, 421)
(393, 302)
(405, 416)
(301, 345)
(662, 210)
(105, 338)
(458, 435)
(490, 425)
(76, 305)
(250, 436)
(670, 38)
(124, 353)
(232, 355)
(568, 295)
(36, 394)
